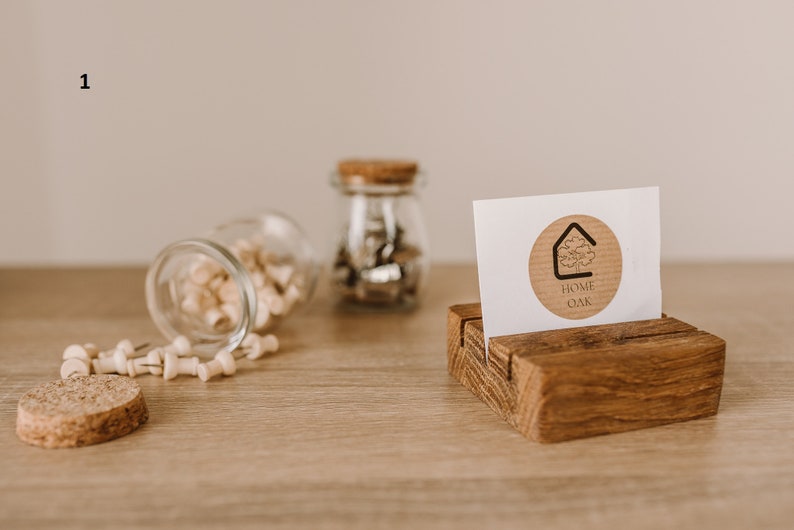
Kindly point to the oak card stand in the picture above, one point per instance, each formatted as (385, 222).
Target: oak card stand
(574, 383)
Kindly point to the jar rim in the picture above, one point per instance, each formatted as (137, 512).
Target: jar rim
(202, 247)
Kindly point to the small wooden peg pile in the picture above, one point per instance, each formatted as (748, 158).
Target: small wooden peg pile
(211, 295)
(168, 360)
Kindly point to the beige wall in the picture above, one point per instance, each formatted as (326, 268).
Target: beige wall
(199, 112)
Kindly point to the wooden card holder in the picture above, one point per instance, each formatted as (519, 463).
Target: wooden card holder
(573, 383)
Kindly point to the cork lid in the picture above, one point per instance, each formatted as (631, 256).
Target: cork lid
(80, 410)
(377, 171)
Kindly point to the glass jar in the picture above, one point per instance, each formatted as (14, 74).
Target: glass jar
(381, 259)
(245, 275)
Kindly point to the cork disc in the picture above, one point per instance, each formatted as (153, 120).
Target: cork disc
(80, 410)
(376, 171)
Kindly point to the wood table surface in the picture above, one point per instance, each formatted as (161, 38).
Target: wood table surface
(355, 423)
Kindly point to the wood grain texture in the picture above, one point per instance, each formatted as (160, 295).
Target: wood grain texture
(457, 316)
(619, 387)
(356, 423)
(572, 383)
(467, 364)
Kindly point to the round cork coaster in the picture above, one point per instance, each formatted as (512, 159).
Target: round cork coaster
(80, 410)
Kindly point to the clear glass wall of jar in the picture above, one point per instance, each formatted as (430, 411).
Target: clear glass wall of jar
(247, 274)
(381, 259)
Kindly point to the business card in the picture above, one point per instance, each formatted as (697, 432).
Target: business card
(561, 261)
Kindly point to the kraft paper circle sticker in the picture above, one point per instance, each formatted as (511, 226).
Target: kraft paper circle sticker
(575, 266)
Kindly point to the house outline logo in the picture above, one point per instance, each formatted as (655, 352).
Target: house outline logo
(556, 253)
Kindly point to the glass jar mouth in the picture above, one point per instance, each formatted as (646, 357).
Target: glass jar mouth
(165, 294)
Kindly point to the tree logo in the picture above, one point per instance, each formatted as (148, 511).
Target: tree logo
(575, 266)
(572, 252)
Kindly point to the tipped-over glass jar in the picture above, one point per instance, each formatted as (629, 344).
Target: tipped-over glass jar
(245, 275)
(381, 257)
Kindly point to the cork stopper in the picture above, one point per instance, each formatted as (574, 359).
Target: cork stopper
(375, 171)
(80, 410)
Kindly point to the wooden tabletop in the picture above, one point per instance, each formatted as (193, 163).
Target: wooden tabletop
(356, 423)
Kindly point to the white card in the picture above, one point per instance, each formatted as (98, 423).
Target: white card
(562, 261)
